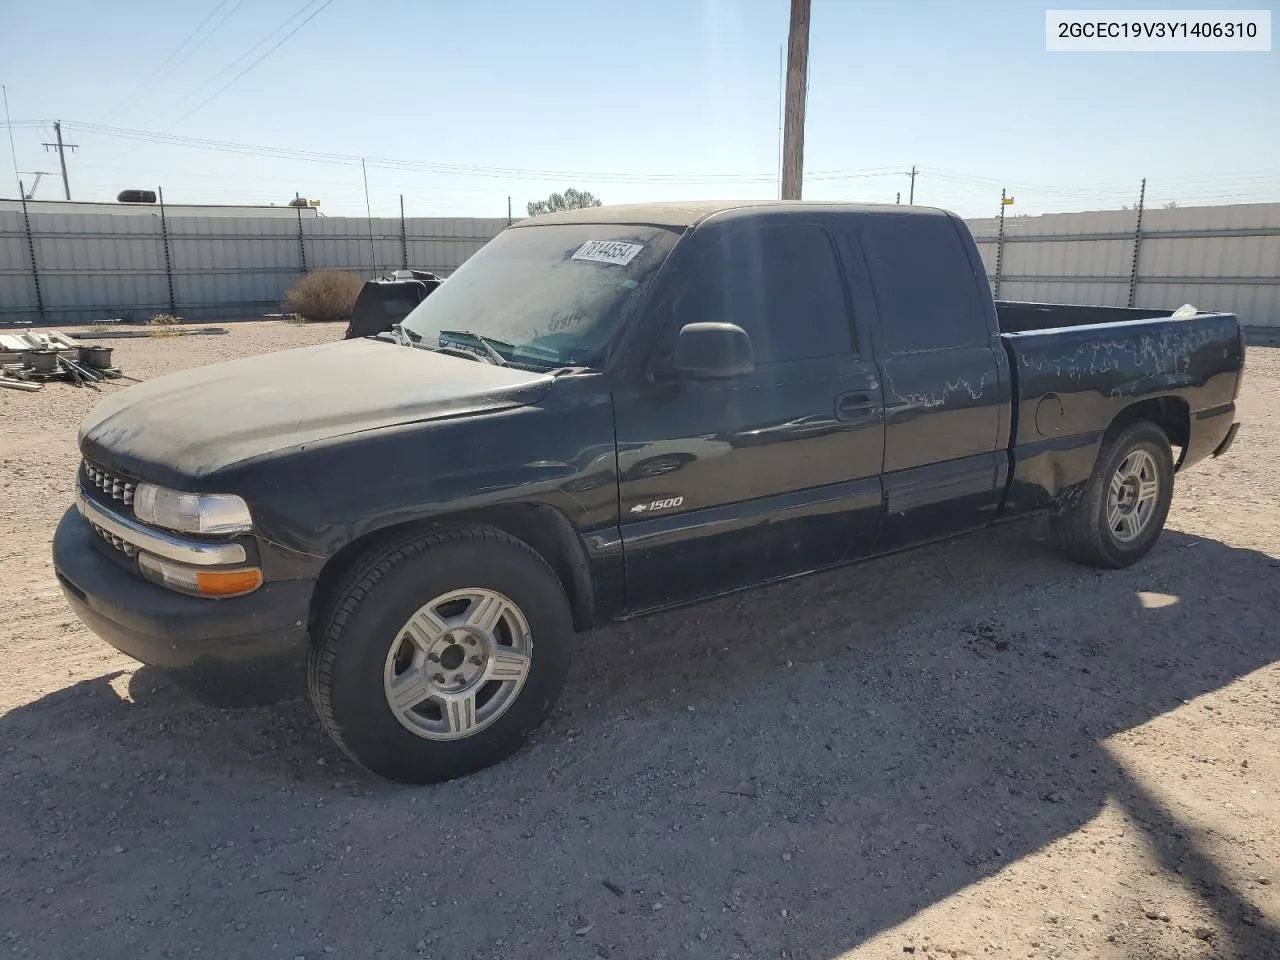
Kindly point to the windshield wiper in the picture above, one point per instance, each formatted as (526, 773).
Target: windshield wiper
(494, 356)
(404, 336)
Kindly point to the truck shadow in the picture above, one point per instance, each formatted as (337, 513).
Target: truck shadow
(852, 748)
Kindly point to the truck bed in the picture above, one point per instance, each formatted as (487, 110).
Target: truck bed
(1017, 316)
(1075, 369)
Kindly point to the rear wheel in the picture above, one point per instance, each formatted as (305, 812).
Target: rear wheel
(1122, 510)
(439, 655)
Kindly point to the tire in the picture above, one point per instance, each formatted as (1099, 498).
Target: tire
(1084, 530)
(374, 644)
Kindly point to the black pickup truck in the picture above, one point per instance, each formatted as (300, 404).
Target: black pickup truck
(602, 414)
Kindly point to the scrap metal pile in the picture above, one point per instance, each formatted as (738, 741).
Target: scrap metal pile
(28, 360)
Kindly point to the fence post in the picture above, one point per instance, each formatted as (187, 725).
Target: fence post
(404, 239)
(168, 261)
(368, 214)
(1137, 244)
(995, 295)
(31, 251)
(302, 244)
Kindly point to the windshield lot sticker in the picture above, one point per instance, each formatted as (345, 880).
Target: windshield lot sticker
(608, 251)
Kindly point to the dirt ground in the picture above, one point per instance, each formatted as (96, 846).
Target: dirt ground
(969, 750)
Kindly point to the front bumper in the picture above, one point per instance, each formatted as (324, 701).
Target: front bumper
(246, 649)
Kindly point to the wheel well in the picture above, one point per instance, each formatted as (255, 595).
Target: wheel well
(545, 529)
(1170, 414)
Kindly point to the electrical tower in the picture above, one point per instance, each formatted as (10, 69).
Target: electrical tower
(61, 149)
(34, 183)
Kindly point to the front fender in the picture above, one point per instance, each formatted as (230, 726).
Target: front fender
(322, 498)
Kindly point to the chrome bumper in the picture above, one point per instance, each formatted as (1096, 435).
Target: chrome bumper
(199, 553)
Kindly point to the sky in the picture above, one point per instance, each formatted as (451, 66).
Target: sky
(459, 106)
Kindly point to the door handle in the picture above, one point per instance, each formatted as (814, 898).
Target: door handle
(851, 406)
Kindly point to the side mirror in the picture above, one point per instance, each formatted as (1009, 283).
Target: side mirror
(712, 351)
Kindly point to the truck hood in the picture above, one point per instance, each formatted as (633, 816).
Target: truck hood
(188, 425)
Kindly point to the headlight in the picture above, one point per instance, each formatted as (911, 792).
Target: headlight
(200, 513)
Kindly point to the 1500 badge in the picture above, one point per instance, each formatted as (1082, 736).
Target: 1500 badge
(655, 505)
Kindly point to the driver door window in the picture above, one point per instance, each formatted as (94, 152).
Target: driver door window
(780, 283)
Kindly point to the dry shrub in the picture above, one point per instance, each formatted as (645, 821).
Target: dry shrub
(162, 325)
(325, 296)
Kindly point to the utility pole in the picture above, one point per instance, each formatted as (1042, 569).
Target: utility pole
(62, 149)
(911, 197)
(793, 112)
(508, 210)
(782, 106)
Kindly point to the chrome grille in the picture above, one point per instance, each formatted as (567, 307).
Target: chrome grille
(117, 488)
(128, 549)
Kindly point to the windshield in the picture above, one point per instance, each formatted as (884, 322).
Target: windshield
(553, 295)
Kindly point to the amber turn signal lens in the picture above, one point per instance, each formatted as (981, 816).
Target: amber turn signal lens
(228, 583)
(197, 582)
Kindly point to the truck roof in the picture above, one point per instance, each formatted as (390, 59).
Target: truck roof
(690, 213)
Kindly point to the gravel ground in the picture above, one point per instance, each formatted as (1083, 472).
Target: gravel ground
(972, 749)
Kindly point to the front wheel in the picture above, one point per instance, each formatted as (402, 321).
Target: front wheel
(1122, 510)
(439, 655)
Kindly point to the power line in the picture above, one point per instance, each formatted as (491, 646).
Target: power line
(468, 170)
(948, 184)
(161, 137)
(173, 61)
(198, 88)
(993, 183)
(231, 12)
(315, 13)
(968, 183)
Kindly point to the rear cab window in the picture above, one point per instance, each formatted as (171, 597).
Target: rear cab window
(926, 294)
